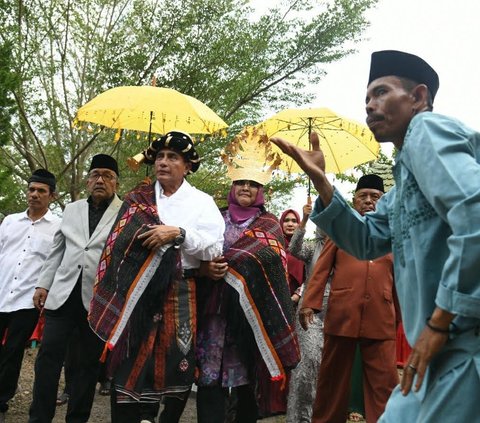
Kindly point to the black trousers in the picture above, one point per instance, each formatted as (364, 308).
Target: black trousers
(70, 364)
(246, 409)
(60, 324)
(238, 407)
(173, 409)
(19, 326)
(131, 412)
(212, 405)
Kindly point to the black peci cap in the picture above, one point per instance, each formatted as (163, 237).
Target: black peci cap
(104, 161)
(370, 181)
(45, 177)
(404, 65)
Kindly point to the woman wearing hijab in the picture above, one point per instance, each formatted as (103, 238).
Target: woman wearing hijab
(289, 221)
(245, 337)
(302, 386)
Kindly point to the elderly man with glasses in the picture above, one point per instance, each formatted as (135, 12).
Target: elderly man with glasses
(64, 291)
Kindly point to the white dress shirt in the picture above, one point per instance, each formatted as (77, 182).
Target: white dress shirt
(24, 247)
(197, 213)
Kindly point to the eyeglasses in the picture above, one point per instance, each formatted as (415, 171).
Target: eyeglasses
(243, 182)
(365, 195)
(93, 176)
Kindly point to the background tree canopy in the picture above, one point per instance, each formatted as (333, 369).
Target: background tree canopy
(55, 55)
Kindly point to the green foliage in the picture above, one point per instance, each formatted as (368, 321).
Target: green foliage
(12, 197)
(64, 53)
(8, 82)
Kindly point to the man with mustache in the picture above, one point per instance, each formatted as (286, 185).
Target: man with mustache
(362, 311)
(428, 220)
(64, 291)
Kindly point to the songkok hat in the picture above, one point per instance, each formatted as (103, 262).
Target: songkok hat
(104, 161)
(370, 181)
(45, 177)
(249, 157)
(404, 65)
(178, 141)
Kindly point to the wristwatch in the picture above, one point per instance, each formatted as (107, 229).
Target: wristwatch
(180, 238)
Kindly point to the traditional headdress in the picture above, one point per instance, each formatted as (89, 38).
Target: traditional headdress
(178, 141)
(404, 65)
(104, 161)
(370, 181)
(45, 177)
(250, 157)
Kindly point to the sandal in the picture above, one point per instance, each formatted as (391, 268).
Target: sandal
(62, 399)
(355, 417)
(104, 388)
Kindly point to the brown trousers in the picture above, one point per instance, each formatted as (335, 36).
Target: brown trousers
(333, 387)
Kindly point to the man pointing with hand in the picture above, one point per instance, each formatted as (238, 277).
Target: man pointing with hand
(426, 221)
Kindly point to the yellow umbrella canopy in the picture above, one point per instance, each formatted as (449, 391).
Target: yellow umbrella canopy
(345, 143)
(150, 109)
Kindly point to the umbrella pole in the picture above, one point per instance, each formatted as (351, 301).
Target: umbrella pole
(149, 138)
(150, 129)
(309, 148)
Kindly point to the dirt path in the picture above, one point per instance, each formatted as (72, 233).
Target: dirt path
(19, 405)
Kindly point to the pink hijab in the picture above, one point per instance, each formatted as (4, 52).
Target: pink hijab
(240, 214)
(296, 267)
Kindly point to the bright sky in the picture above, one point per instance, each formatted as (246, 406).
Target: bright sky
(444, 33)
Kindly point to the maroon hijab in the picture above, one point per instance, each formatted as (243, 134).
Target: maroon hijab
(296, 267)
(240, 214)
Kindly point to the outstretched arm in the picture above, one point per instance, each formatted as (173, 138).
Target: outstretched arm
(312, 162)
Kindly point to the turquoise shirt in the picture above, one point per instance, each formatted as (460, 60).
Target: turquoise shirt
(430, 221)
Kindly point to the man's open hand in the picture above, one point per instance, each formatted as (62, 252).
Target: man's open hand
(312, 162)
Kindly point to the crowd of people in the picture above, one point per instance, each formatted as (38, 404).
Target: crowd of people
(162, 290)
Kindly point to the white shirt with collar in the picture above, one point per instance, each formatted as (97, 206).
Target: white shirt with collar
(197, 213)
(24, 247)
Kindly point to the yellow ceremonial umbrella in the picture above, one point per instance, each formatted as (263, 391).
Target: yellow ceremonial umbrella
(150, 109)
(344, 142)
